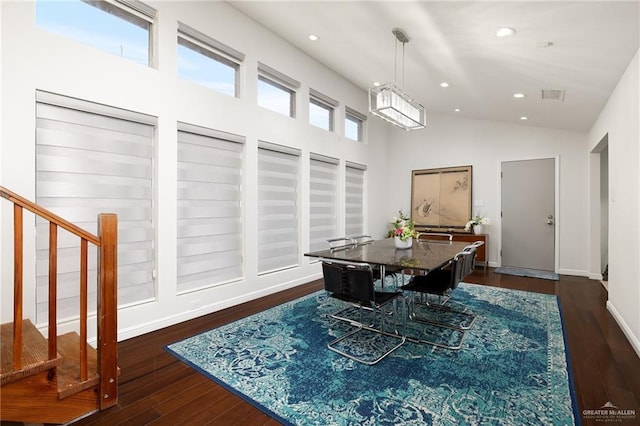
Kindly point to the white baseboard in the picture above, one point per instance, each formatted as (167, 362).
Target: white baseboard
(150, 326)
(573, 272)
(634, 340)
(595, 276)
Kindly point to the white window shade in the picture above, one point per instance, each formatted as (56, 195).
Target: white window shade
(323, 213)
(198, 37)
(278, 225)
(209, 216)
(354, 199)
(89, 163)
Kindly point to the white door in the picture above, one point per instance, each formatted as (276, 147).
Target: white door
(528, 214)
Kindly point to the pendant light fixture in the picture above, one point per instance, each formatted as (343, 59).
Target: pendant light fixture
(390, 103)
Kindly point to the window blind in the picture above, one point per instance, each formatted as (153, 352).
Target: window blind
(355, 114)
(321, 97)
(277, 208)
(323, 213)
(354, 199)
(199, 38)
(91, 160)
(275, 75)
(209, 216)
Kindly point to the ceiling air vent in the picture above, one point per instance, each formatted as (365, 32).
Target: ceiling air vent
(553, 95)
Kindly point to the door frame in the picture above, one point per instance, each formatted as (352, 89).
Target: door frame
(556, 214)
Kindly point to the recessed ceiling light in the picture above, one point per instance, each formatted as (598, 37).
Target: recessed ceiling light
(376, 83)
(313, 37)
(524, 118)
(544, 44)
(457, 110)
(444, 84)
(519, 95)
(505, 32)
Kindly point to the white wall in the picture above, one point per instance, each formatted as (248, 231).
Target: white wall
(36, 60)
(451, 141)
(620, 121)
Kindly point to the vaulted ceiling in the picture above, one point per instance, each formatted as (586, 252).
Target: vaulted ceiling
(580, 47)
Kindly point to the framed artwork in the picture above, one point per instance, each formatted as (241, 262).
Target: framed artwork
(441, 198)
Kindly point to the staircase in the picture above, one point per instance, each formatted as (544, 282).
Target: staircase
(59, 378)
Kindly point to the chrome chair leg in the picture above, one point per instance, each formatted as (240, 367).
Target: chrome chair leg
(441, 328)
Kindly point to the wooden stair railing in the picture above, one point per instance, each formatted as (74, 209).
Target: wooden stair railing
(106, 243)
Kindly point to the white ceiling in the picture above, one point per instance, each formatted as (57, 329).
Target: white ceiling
(454, 41)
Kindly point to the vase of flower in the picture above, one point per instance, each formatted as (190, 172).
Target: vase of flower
(403, 231)
(403, 244)
(477, 224)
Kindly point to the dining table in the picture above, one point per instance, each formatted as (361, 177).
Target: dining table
(422, 257)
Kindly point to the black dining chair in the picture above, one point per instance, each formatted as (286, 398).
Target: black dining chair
(394, 273)
(341, 243)
(370, 341)
(361, 239)
(441, 282)
(468, 266)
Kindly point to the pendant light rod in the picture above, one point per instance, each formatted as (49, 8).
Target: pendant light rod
(402, 37)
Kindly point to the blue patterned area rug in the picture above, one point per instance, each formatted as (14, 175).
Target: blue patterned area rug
(512, 368)
(524, 272)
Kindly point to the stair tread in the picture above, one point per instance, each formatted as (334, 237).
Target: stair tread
(35, 352)
(68, 370)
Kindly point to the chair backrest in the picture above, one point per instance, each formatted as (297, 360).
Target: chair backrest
(362, 239)
(435, 236)
(470, 252)
(470, 263)
(341, 243)
(458, 267)
(349, 281)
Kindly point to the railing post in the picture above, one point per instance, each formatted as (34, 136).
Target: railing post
(17, 287)
(53, 291)
(108, 309)
(84, 295)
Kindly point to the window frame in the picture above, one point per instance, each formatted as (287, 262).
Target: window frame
(325, 102)
(214, 50)
(128, 11)
(360, 119)
(280, 81)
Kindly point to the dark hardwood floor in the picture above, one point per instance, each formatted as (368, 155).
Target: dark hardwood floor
(155, 388)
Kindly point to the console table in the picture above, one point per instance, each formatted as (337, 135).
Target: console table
(468, 237)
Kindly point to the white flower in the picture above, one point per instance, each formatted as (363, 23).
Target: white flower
(477, 220)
